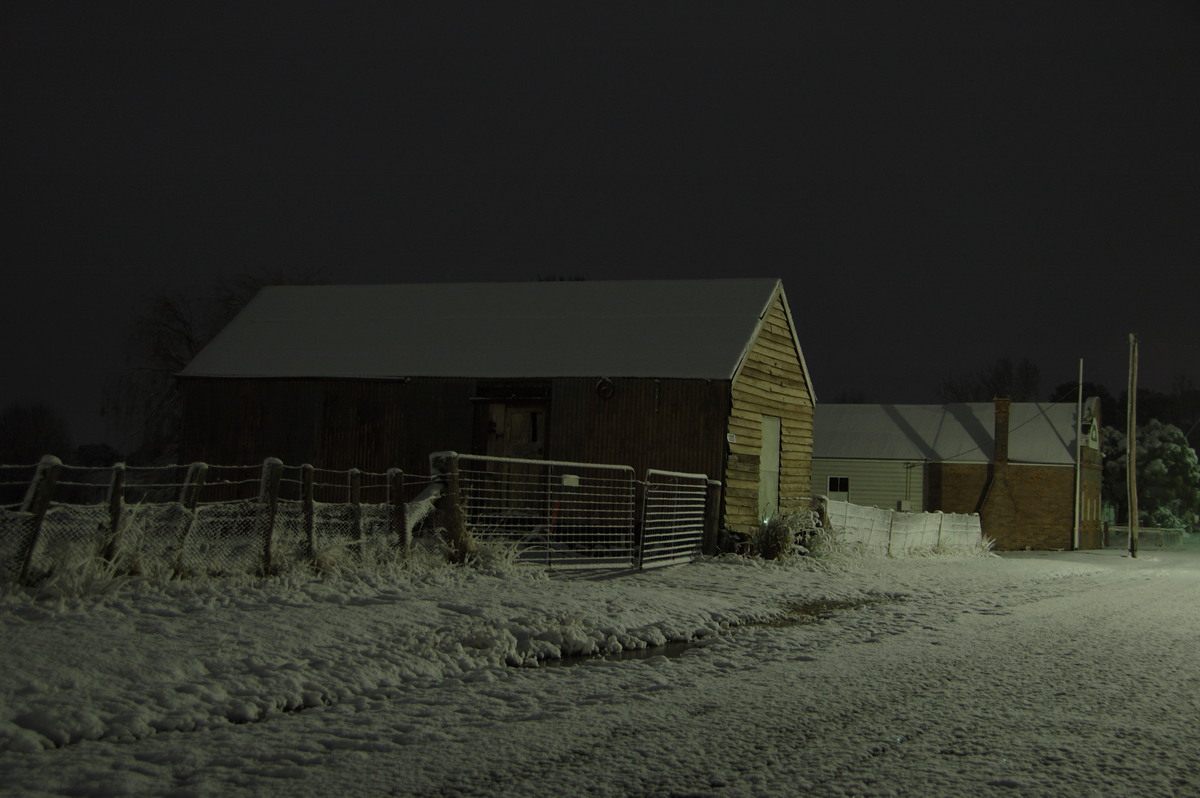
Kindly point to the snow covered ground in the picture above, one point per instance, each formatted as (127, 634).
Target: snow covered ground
(1020, 674)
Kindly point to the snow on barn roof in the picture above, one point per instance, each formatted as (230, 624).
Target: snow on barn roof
(963, 433)
(634, 328)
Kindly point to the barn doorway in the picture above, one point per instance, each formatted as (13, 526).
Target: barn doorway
(513, 429)
(516, 430)
(512, 420)
(768, 468)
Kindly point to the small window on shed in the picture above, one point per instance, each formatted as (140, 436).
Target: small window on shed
(839, 484)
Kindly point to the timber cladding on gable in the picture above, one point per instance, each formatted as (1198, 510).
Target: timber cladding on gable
(770, 382)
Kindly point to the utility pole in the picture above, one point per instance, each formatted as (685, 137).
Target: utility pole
(1131, 445)
(1078, 456)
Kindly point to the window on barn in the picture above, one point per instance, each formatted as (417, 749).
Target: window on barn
(839, 485)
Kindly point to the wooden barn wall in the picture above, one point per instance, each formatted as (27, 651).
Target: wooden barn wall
(377, 424)
(771, 382)
(671, 424)
(338, 424)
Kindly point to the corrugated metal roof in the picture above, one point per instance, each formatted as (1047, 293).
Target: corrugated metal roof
(1038, 433)
(635, 328)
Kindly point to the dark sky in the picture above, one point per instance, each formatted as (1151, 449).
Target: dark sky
(938, 184)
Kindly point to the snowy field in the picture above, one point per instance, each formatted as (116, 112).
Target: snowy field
(1020, 674)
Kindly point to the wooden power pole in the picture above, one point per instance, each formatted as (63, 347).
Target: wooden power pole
(1078, 455)
(1131, 445)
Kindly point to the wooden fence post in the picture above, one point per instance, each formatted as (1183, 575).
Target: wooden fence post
(307, 490)
(356, 510)
(268, 502)
(399, 511)
(116, 509)
(461, 544)
(37, 502)
(189, 496)
(891, 518)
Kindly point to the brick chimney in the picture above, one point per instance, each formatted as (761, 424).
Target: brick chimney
(1000, 447)
(997, 507)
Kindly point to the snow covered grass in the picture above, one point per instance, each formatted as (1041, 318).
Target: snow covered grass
(81, 575)
(774, 539)
(422, 676)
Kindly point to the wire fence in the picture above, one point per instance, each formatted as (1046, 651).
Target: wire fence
(1117, 536)
(202, 519)
(197, 519)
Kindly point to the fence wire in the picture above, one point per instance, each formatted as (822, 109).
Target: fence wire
(16, 534)
(199, 519)
(14, 485)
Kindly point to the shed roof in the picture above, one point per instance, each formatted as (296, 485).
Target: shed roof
(633, 328)
(959, 433)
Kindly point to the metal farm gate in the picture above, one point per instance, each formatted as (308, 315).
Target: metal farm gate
(580, 515)
(674, 510)
(567, 515)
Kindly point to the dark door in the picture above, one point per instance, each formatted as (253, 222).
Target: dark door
(517, 430)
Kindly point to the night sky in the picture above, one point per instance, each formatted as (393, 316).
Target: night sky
(938, 184)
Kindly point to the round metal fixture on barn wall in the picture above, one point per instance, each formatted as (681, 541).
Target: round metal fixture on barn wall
(605, 388)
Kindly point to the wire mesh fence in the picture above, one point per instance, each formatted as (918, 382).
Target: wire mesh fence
(200, 519)
(1117, 536)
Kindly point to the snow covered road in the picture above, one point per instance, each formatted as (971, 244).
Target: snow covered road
(1025, 674)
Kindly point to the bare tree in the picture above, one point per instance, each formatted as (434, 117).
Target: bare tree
(143, 402)
(1020, 382)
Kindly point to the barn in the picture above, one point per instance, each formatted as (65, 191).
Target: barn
(702, 376)
(1020, 465)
